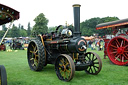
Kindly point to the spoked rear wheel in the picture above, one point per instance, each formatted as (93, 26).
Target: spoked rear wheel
(36, 55)
(95, 63)
(64, 67)
(3, 75)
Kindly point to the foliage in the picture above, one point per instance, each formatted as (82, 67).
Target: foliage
(23, 33)
(1, 33)
(15, 31)
(88, 27)
(29, 30)
(41, 24)
(4, 28)
(51, 29)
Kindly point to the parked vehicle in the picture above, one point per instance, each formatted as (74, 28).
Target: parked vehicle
(66, 50)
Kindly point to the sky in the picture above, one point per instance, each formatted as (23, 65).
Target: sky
(60, 11)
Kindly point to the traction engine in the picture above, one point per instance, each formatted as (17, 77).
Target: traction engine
(66, 50)
(116, 48)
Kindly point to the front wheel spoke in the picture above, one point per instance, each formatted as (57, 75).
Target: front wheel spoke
(89, 58)
(96, 62)
(96, 67)
(67, 64)
(93, 56)
(91, 69)
(95, 59)
(64, 74)
(60, 65)
(62, 61)
(68, 71)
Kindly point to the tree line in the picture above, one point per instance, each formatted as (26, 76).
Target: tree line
(87, 27)
(16, 31)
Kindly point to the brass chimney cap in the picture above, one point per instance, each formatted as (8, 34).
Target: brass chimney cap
(76, 5)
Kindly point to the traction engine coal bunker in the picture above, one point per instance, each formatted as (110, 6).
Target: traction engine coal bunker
(66, 50)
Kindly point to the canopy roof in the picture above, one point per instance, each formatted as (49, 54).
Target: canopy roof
(7, 14)
(118, 23)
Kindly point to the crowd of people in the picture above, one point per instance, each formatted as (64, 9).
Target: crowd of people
(96, 43)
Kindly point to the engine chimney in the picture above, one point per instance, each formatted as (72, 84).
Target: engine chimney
(76, 8)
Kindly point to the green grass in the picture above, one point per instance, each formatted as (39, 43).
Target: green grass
(19, 73)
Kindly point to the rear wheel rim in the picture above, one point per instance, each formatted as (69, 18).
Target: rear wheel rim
(117, 50)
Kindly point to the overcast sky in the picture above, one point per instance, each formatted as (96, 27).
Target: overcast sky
(60, 11)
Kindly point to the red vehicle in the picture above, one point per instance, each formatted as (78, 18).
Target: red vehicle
(116, 46)
(7, 14)
(2, 47)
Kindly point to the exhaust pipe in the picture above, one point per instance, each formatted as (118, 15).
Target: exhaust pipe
(76, 8)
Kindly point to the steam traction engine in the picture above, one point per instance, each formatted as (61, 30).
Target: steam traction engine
(66, 50)
(117, 47)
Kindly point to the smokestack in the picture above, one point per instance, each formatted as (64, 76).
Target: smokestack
(76, 8)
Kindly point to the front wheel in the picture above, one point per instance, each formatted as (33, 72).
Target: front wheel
(95, 63)
(64, 67)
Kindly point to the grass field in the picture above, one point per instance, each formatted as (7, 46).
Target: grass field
(19, 73)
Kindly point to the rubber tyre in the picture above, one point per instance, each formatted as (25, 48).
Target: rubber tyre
(3, 75)
(40, 52)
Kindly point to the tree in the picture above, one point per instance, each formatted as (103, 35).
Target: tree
(29, 30)
(4, 28)
(1, 33)
(88, 27)
(41, 24)
(23, 33)
(15, 32)
(51, 29)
